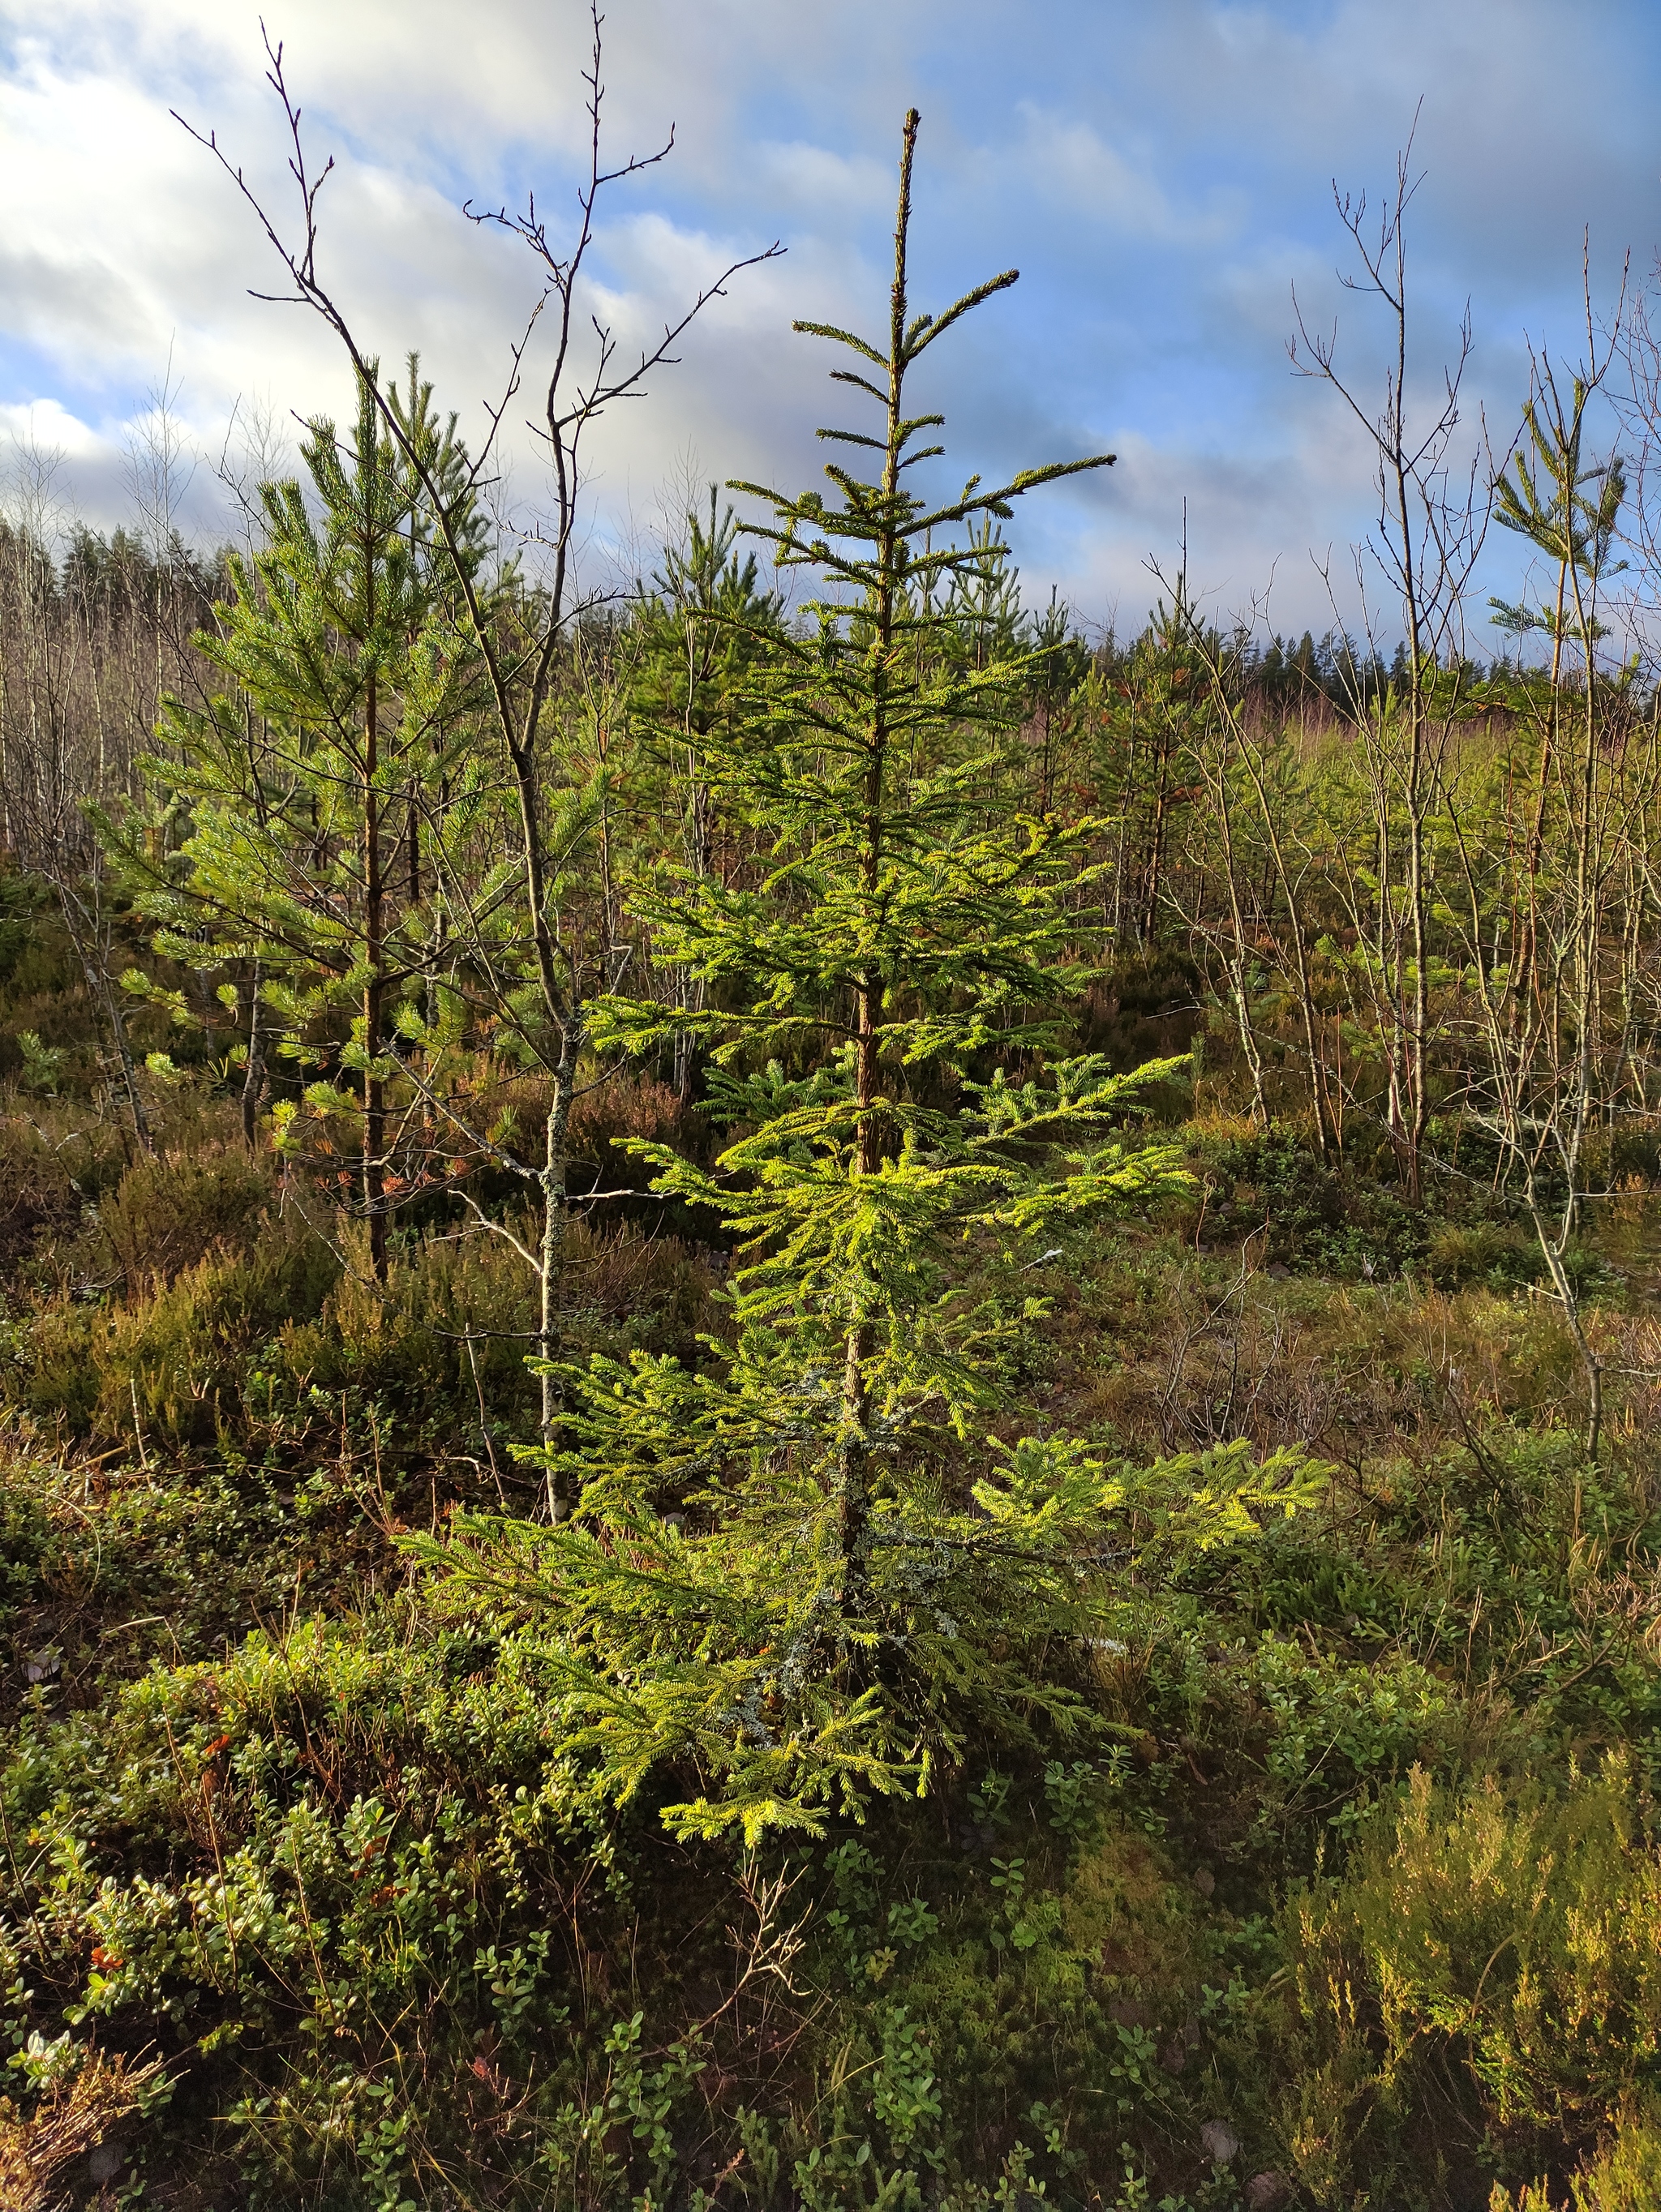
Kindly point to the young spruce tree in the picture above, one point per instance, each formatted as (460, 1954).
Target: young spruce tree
(798, 1574)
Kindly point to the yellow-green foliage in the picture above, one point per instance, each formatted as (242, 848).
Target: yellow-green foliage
(165, 1365)
(1483, 1985)
(1624, 2176)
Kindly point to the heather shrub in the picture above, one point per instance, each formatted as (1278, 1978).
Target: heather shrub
(54, 1159)
(174, 1207)
(445, 1339)
(1623, 2175)
(1478, 1996)
(38, 1187)
(165, 1365)
(631, 1104)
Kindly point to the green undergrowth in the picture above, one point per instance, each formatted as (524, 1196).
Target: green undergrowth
(1344, 1891)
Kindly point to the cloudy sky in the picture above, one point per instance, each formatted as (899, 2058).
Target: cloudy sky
(1161, 173)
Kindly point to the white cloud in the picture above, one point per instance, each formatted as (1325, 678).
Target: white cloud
(1159, 175)
(45, 427)
(1071, 162)
(810, 181)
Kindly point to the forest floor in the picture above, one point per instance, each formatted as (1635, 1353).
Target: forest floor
(1349, 1897)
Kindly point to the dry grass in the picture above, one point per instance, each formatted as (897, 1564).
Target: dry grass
(77, 2114)
(1166, 1351)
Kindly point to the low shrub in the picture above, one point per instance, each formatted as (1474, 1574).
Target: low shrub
(1478, 1997)
(172, 1208)
(1623, 2175)
(168, 1367)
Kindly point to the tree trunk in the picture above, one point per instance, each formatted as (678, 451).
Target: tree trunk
(555, 1171)
(375, 927)
(853, 1455)
(253, 1077)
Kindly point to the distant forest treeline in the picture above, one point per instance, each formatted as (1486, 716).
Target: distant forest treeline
(1344, 878)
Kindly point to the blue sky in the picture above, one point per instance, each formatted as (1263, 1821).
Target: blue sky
(1161, 173)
